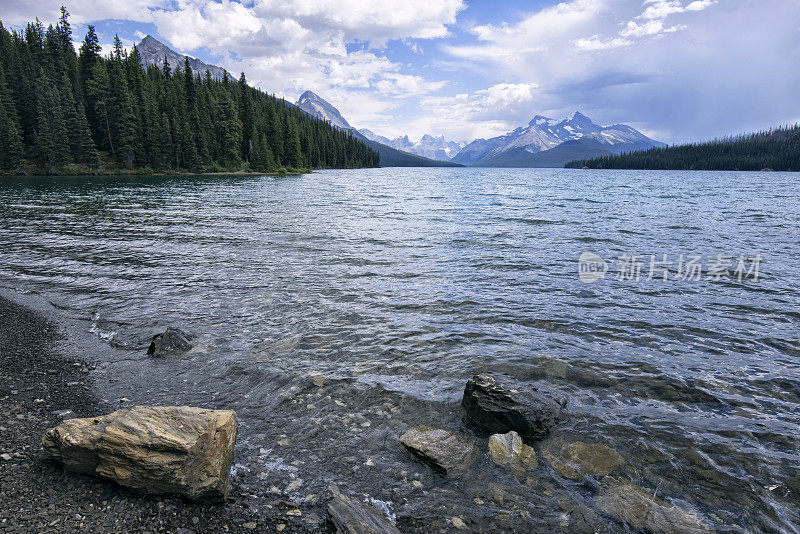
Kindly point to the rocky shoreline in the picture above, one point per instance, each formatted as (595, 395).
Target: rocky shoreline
(38, 388)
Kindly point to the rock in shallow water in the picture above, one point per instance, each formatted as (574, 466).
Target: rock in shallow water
(153, 449)
(509, 450)
(350, 516)
(638, 508)
(172, 341)
(442, 450)
(494, 407)
(579, 459)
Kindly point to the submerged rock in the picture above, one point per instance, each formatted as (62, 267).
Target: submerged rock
(493, 407)
(152, 449)
(442, 450)
(641, 510)
(509, 450)
(579, 459)
(350, 516)
(172, 341)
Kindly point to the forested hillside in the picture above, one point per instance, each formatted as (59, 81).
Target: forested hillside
(777, 149)
(62, 111)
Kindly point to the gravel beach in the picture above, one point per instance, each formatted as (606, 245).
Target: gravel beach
(37, 384)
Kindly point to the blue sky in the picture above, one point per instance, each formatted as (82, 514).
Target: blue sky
(679, 70)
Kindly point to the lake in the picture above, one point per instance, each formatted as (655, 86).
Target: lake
(336, 309)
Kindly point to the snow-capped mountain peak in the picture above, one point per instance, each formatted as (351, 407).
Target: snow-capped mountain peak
(316, 106)
(428, 146)
(543, 134)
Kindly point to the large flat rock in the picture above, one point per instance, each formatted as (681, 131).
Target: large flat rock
(575, 460)
(152, 449)
(644, 512)
(441, 449)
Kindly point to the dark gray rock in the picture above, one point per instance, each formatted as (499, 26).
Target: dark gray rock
(493, 407)
(172, 341)
(348, 516)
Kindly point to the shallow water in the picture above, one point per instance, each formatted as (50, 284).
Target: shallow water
(397, 285)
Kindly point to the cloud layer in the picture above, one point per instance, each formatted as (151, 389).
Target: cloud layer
(678, 69)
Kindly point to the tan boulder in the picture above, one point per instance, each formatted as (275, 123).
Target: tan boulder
(508, 450)
(152, 449)
(578, 459)
(643, 511)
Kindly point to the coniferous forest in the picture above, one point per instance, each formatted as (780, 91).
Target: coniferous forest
(777, 150)
(68, 112)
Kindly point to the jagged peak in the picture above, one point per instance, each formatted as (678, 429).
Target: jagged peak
(539, 120)
(310, 95)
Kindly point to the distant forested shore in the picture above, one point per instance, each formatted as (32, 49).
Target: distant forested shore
(63, 112)
(777, 149)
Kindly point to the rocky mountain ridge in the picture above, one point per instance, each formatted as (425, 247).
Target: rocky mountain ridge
(154, 51)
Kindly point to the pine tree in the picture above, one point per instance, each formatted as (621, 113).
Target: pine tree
(51, 149)
(10, 141)
(88, 65)
(262, 160)
(122, 115)
(87, 153)
(229, 130)
(294, 154)
(246, 113)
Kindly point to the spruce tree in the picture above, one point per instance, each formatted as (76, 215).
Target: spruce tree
(123, 116)
(87, 154)
(229, 130)
(294, 155)
(246, 113)
(51, 149)
(10, 141)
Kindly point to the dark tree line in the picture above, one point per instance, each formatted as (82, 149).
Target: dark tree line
(61, 109)
(777, 149)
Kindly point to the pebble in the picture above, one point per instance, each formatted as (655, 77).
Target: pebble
(458, 523)
(5, 456)
(249, 525)
(280, 527)
(294, 485)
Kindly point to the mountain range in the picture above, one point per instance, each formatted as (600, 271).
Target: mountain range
(317, 106)
(544, 142)
(428, 146)
(154, 51)
(435, 148)
(547, 142)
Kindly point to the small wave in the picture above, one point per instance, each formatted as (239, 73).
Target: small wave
(533, 222)
(106, 334)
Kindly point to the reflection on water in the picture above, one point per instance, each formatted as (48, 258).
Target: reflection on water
(336, 309)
